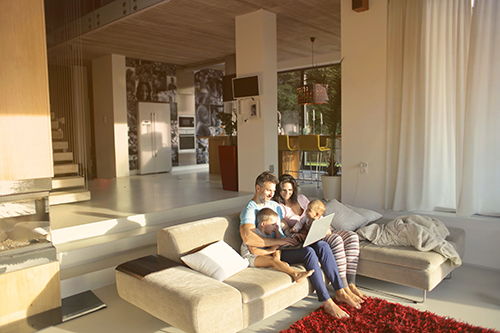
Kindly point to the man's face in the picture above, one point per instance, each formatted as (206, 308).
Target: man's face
(266, 191)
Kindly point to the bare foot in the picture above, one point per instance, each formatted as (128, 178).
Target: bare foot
(342, 296)
(354, 297)
(299, 276)
(333, 310)
(357, 292)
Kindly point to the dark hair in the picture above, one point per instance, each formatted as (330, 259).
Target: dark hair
(266, 177)
(265, 214)
(286, 178)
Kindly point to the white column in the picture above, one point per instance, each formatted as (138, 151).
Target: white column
(110, 116)
(364, 80)
(256, 55)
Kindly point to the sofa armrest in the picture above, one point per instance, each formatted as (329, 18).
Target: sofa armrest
(185, 299)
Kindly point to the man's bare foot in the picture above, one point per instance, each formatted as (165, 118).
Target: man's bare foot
(342, 296)
(299, 276)
(333, 309)
(356, 291)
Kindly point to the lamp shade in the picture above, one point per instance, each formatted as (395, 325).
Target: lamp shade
(315, 93)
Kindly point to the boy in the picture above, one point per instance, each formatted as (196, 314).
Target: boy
(267, 226)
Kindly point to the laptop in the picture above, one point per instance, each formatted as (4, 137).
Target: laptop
(318, 231)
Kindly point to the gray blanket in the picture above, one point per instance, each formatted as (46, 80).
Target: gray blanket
(422, 232)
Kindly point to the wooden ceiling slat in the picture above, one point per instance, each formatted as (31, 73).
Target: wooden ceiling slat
(185, 32)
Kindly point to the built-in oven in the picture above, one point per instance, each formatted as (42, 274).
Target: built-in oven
(187, 141)
(187, 137)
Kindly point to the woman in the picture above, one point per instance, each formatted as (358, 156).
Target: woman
(344, 244)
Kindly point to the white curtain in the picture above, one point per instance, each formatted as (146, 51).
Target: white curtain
(479, 165)
(427, 61)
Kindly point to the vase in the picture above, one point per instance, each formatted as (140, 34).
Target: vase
(331, 187)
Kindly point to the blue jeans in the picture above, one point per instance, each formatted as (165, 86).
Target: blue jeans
(311, 256)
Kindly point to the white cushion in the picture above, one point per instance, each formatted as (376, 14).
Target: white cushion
(370, 215)
(345, 218)
(218, 260)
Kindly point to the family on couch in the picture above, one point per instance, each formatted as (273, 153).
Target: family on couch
(292, 209)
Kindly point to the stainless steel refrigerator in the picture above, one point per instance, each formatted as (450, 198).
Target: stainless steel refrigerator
(155, 151)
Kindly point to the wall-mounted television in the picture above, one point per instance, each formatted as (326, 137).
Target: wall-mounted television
(227, 87)
(247, 86)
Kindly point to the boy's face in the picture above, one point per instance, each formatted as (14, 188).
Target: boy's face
(266, 191)
(269, 225)
(315, 212)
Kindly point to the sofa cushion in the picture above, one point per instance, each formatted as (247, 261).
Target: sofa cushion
(369, 215)
(217, 260)
(345, 218)
(404, 256)
(254, 283)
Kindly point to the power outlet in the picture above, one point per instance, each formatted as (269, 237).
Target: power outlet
(271, 168)
(363, 167)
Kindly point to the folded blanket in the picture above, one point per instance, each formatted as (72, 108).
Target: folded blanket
(422, 232)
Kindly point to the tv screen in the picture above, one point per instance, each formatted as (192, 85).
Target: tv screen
(227, 87)
(245, 86)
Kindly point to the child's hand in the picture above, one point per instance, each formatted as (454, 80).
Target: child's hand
(329, 232)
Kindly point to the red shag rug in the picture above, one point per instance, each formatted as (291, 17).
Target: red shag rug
(377, 315)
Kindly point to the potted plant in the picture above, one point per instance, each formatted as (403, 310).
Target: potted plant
(228, 154)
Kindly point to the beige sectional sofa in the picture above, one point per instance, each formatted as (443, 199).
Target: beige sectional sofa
(194, 302)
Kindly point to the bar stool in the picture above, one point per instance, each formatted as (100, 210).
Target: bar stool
(312, 144)
(289, 157)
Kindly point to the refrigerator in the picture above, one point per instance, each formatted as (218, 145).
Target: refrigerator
(154, 143)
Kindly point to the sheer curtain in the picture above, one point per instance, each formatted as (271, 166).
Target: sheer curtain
(427, 61)
(479, 165)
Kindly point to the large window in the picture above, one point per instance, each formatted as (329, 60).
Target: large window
(309, 118)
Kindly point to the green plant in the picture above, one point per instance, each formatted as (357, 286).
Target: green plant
(229, 124)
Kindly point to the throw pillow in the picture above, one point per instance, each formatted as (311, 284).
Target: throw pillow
(217, 260)
(345, 218)
(370, 215)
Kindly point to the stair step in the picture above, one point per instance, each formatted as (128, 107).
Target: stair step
(61, 169)
(57, 135)
(66, 182)
(62, 197)
(59, 145)
(63, 156)
(54, 124)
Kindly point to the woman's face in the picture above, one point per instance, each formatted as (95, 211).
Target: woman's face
(286, 191)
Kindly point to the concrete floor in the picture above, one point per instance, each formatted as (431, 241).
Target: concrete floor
(471, 295)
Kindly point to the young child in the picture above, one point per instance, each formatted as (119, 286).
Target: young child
(267, 226)
(315, 210)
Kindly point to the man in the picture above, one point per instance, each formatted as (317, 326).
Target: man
(265, 185)
(310, 256)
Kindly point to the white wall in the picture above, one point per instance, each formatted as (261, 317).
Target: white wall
(363, 48)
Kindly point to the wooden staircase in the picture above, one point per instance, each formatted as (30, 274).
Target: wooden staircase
(67, 185)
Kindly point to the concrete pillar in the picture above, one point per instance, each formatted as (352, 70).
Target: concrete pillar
(256, 55)
(110, 116)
